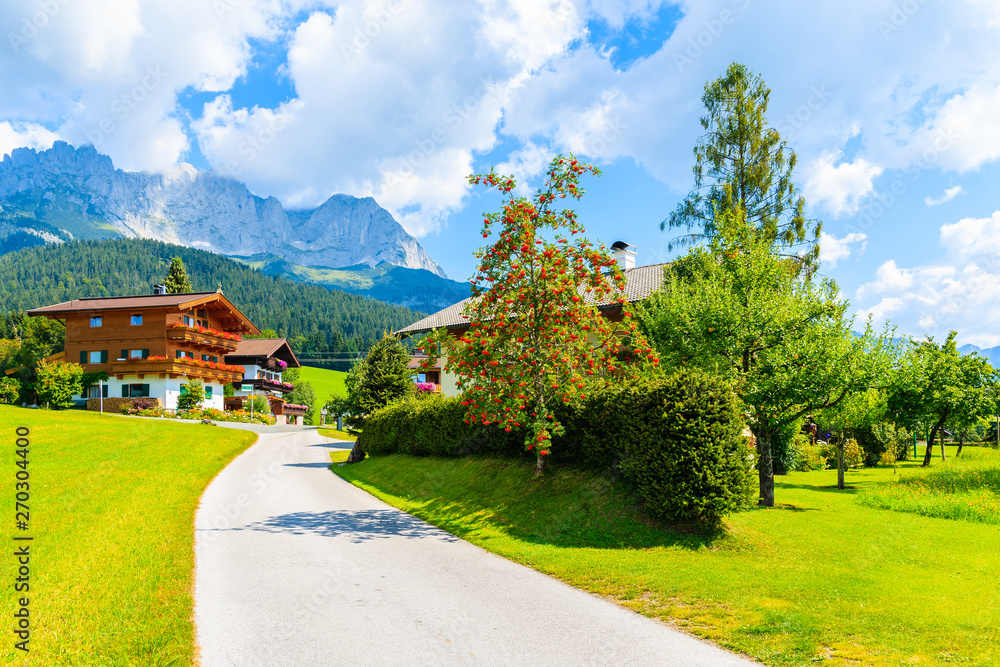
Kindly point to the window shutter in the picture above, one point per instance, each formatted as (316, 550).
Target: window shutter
(124, 354)
(104, 390)
(124, 391)
(145, 390)
(104, 356)
(83, 356)
(145, 353)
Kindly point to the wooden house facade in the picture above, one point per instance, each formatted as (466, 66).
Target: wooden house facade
(151, 345)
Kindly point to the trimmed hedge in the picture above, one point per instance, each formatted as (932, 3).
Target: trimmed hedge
(676, 438)
(118, 404)
(432, 425)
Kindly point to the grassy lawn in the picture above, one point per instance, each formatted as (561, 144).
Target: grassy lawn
(324, 382)
(112, 516)
(820, 578)
(337, 435)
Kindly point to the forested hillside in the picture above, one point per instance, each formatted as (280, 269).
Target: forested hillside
(315, 318)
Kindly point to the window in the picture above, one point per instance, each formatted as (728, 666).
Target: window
(95, 321)
(135, 390)
(136, 320)
(208, 392)
(138, 354)
(96, 391)
(188, 321)
(95, 357)
(206, 357)
(181, 354)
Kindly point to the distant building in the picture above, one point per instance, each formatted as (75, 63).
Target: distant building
(151, 345)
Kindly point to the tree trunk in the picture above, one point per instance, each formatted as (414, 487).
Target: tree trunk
(930, 440)
(539, 463)
(941, 435)
(765, 469)
(961, 442)
(840, 464)
(357, 454)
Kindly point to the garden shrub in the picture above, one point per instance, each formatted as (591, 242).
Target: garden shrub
(57, 383)
(432, 425)
(124, 405)
(854, 455)
(192, 395)
(10, 389)
(683, 447)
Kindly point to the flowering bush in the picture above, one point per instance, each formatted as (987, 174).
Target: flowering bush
(296, 406)
(240, 416)
(205, 330)
(288, 385)
(282, 364)
(426, 386)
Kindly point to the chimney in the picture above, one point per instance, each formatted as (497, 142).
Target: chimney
(623, 254)
(159, 289)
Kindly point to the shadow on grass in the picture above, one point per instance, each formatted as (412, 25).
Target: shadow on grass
(850, 490)
(355, 525)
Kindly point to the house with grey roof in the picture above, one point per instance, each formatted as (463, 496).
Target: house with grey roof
(640, 283)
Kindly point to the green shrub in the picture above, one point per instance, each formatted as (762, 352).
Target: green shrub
(684, 450)
(192, 395)
(432, 425)
(10, 389)
(854, 455)
(57, 383)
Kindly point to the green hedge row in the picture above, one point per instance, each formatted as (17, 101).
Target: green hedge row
(676, 438)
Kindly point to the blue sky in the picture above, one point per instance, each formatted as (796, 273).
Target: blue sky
(893, 108)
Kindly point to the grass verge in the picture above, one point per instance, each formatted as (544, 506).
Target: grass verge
(337, 435)
(324, 382)
(820, 578)
(112, 516)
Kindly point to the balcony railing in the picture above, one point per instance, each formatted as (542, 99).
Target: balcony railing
(267, 385)
(202, 338)
(172, 367)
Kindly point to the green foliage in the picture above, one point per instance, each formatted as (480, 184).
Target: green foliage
(177, 281)
(314, 319)
(228, 391)
(685, 453)
(336, 407)
(431, 425)
(742, 165)
(257, 404)
(854, 456)
(192, 395)
(784, 342)
(534, 337)
(379, 379)
(676, 438)
(57, 383)
(10, 389)
(934, 384)
(302, 394)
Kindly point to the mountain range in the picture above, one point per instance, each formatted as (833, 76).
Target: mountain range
(66, 193)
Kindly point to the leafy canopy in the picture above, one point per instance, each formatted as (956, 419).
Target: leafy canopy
(535, 335)
(740, 310)
(742, 164)
(382, 377)
(935, 385)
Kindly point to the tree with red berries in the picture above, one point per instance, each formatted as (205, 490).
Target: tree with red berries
(535, 337)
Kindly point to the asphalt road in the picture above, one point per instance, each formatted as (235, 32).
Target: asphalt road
(297, 567)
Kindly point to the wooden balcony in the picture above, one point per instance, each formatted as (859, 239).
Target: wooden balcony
(259, 384)
(172, 368)
(202, 340)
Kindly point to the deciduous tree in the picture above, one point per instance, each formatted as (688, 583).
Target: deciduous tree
(934, 384)
(535, 335)
(784, 341)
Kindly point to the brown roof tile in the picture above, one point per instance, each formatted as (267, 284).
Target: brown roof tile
(265, 347)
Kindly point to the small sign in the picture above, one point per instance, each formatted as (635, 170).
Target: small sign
(323, 411)
(246, 387)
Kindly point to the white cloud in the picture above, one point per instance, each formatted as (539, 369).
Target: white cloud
(880, 311)
(840, 187)
(948, 195)
(29, 135)
(958, 292)
(833, 249)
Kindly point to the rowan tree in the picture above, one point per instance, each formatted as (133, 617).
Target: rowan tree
(535, 335)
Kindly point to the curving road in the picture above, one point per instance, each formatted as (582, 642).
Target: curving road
(294, 566)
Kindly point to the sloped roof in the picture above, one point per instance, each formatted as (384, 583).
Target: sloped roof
(266, 347)
(640, 282)
(180, 301)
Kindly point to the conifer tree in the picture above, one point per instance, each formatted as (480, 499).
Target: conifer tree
(177, 281)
